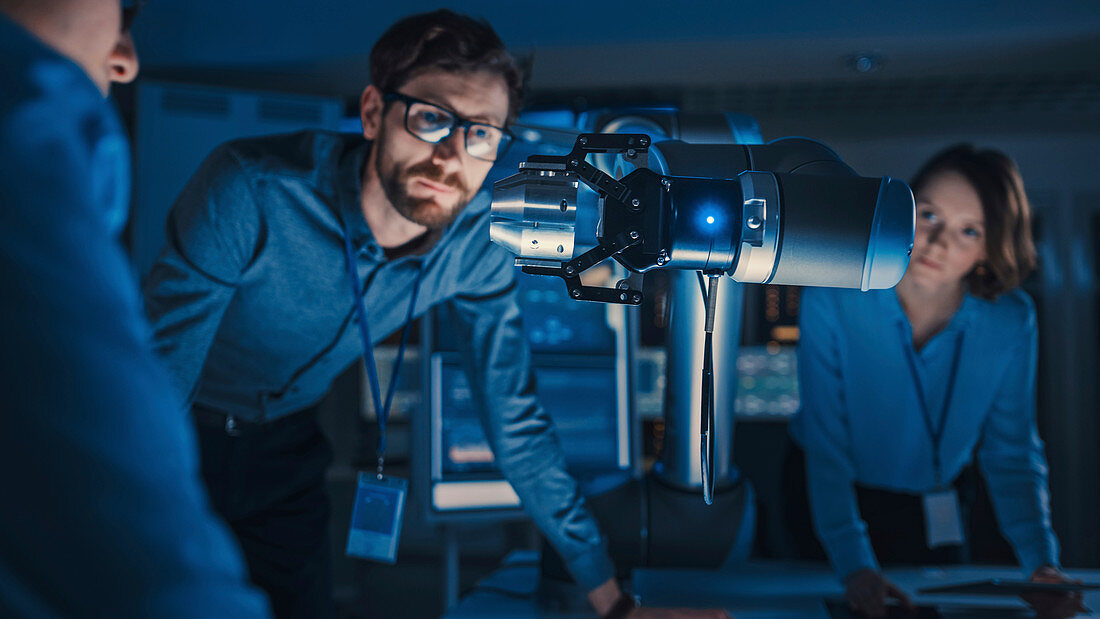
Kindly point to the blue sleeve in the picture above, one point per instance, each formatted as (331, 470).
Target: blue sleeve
(1011, 456)
(497, 359)
(213, 234)
(104, 511)
(822, 431)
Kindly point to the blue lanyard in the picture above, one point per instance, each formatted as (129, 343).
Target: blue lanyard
(383, 412)
(934, 432)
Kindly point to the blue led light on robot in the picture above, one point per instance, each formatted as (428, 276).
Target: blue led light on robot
(710, 217)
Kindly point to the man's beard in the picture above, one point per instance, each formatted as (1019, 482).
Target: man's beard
(424, 211)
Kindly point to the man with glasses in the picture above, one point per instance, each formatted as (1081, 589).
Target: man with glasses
(257, 311)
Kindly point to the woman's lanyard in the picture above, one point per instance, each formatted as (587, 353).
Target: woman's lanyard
(935, 432)
(382, 411)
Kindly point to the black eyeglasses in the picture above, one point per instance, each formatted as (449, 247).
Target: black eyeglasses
(433, 124)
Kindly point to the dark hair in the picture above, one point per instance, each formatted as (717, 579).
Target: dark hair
(446, 40)
(1009, 248)
(129, 12)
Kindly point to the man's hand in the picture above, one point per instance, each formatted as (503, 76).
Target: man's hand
(1054, 605)
(604, 597)
(867, 590)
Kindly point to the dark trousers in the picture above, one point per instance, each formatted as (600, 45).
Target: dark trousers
(268, 482)
(895, 520)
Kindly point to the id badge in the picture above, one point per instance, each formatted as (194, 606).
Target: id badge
(942, 518)
(376, 518)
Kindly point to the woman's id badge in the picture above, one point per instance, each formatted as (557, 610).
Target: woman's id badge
(376, 518)
(942, 518)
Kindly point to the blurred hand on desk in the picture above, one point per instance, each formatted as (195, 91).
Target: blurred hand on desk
(867, 591)
(1054, 605)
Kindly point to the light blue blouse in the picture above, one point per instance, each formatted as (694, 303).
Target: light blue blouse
(871, 404)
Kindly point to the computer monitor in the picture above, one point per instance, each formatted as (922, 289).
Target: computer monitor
(553, 323)
(767, 387)
(580, 395)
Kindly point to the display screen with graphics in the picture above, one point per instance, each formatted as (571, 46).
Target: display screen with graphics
(580, 400)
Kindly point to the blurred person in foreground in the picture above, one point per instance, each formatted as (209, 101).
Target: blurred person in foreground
(104, 513)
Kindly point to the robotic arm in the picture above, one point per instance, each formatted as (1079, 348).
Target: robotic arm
(787, 212)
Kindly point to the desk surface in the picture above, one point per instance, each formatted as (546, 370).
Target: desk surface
(772, 589)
